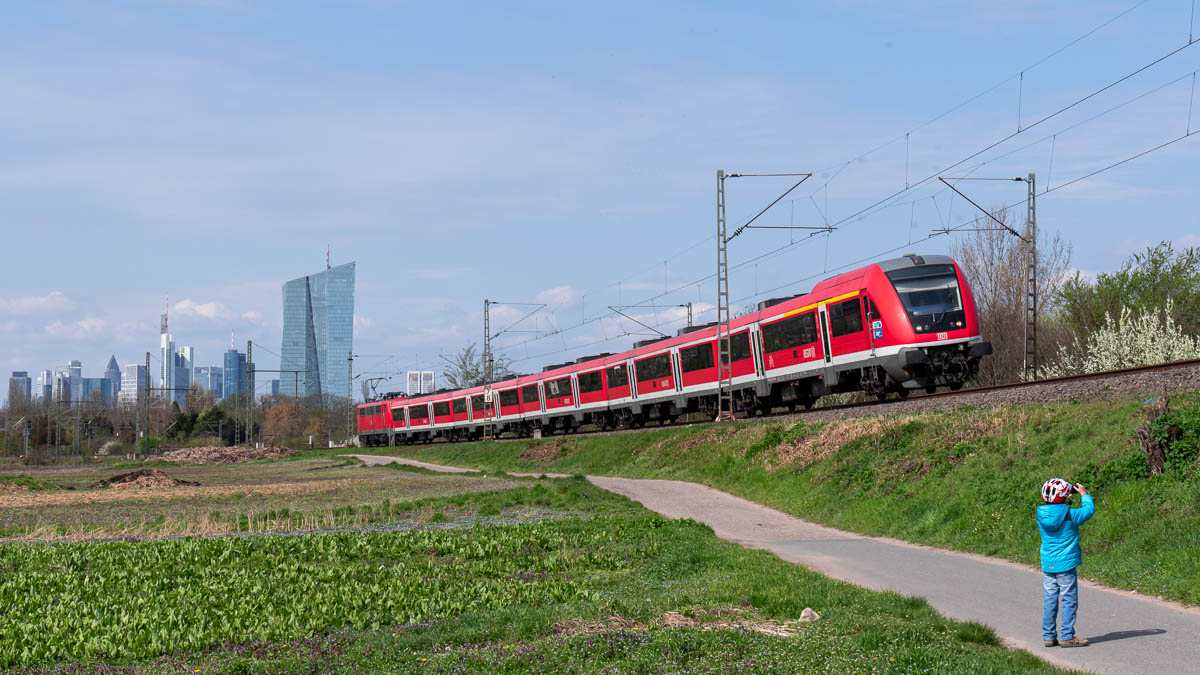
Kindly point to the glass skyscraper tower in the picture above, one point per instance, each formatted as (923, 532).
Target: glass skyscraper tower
(318, 332)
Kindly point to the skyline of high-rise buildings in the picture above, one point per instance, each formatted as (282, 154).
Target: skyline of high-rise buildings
(318, 333)
(318, 338)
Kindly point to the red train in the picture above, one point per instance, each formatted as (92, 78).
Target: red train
(902, 324)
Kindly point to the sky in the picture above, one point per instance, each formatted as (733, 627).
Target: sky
(202, 152)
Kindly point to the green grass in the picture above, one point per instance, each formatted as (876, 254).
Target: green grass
(27, 482)
(581, 594)
(966, 480)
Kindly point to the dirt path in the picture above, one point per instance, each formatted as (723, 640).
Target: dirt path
(1129, 633)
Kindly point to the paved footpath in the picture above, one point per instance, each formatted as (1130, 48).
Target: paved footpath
(1129, 633)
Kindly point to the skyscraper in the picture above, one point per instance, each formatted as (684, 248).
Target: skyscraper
(133, 385)
(75, 369)
(318, 332)
(112, 373)
(211, 378)
(45, 386)
(166, 357)
(234, 373)
(20, 387)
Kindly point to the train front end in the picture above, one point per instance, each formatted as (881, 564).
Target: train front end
(935, 323)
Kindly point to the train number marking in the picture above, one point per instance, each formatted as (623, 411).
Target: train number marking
(943, 336)
(810, 352)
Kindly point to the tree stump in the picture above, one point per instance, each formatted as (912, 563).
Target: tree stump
(1155, 452)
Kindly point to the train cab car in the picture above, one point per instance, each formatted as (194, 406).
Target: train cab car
(372, 424)
(927, 328)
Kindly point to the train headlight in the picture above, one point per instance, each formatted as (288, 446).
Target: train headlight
(958, 323)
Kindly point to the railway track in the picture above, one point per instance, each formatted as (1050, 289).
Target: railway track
(1153, 380)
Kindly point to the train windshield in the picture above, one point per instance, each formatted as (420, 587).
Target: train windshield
(931, 297)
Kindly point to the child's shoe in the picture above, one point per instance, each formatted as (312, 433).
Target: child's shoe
(1074, 642)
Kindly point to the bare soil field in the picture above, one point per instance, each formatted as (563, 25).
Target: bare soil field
(68, 502)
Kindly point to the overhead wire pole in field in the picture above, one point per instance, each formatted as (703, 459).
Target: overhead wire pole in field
(725, 411)
(1029, 239)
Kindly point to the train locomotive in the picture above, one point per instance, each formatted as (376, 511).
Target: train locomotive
(892, 327)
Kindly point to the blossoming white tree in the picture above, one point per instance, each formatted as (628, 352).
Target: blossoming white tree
(1145, 339)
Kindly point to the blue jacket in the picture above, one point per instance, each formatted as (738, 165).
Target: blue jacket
(1059, 525)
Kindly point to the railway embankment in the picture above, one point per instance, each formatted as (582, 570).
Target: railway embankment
(964, 479)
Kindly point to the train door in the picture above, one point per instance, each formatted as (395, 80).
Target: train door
(825, 334)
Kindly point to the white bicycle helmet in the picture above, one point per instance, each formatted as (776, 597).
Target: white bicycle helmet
(1055, 491)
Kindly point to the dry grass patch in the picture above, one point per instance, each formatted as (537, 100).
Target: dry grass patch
(830, 438)
(546, 452)
(728, 618)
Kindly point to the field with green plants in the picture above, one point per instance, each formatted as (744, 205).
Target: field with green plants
(966, 480)
(587, 581)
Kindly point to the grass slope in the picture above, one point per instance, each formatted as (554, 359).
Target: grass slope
(615, 589)
(966, 480)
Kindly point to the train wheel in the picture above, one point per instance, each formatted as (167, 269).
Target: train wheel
(903, 393)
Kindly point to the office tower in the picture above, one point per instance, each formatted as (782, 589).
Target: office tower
(20, 387)
(274, 387)
(133, 385)
(62, 387)
(90, 387)
(166, 374)
(75, 368)
(318, 332)
(234, 373)
(112, 373)
(45, 386)
(211, 378)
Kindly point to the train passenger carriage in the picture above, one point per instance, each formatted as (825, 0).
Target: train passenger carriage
(891, 327)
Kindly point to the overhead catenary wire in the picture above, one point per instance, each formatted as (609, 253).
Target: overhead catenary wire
(839, 167)
(888, 201)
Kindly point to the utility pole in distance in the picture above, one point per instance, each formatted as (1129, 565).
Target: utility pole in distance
(249, 392)
(725, 412)
(146, 428)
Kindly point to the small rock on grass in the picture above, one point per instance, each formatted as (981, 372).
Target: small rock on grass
(809, 615)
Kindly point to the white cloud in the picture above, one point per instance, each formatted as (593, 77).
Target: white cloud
(559, 296)
(84, 329)
(361, 322)
(252, 316)
(206, 310)
(54, 301)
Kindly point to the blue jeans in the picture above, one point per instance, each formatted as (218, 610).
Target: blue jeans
(1066, 586)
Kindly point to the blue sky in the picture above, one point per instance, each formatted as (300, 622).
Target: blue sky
(542, 152)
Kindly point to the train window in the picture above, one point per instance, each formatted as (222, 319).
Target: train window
(739, 345)
(459, 406)
(559, 387)
(845, 317)
(508, 397)
(441, 409)
(617, 376)
(398, 415)
(791, 332)
(477, 404)
(418, 413)
(589, 382)
(362, 412)
(530, 394)
(873, 309)
(699, 357)
(654, 368)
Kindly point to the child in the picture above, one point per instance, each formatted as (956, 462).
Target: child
(1060, 553)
